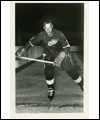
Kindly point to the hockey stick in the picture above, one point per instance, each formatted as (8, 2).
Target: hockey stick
(36, 60)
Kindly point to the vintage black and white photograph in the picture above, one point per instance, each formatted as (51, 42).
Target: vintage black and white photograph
(49, 57)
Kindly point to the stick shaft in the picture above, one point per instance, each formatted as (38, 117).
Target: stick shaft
(36, 60)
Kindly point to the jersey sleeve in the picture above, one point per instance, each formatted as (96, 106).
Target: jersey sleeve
(36, 40)
(64, 42)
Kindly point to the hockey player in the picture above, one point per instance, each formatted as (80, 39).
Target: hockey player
(56, 49)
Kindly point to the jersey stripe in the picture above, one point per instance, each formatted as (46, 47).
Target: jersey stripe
(31, 43)
(66, 46)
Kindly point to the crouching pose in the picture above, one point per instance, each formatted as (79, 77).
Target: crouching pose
(56, 49)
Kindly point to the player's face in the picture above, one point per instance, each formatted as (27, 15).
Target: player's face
(48, 28)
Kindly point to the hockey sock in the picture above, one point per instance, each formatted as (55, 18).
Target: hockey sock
(49, 74)
(79, 81)
(50, 83)
(76, 77)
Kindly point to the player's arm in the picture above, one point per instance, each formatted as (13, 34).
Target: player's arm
(23, 50)
(65, 44)
(32, 42)
(64, 52)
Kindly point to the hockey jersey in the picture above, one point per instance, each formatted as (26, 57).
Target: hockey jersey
(51, 45)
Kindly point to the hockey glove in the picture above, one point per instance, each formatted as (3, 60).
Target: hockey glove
(23, 50)
(59, 59)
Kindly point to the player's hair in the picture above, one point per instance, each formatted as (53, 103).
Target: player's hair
(47, 21)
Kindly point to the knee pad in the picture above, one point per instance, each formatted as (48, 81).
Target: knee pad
(73, 74)
(49, 72)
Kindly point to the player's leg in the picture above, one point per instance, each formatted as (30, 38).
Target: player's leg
(78, 79)
(68, 66)
(49, 75)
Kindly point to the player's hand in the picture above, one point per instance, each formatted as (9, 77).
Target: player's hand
(19, 53)
(59, 59)
(17, 58)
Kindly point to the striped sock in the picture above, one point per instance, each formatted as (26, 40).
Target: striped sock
(79, 81)
(50, 83)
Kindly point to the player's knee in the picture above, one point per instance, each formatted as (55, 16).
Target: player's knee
(73, 74)
(49, 72)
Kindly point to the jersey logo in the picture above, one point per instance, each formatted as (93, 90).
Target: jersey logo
(52, 42)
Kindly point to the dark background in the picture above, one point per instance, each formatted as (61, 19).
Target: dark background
(67, 17)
